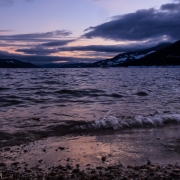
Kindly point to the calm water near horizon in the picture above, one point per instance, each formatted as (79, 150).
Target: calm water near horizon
(45, 102)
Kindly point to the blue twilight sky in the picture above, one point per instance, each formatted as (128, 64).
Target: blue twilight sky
(45, 31)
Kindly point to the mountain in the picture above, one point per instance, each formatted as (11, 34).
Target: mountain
(129, 58)
(13, 63)
(169, 55)
(161, 55)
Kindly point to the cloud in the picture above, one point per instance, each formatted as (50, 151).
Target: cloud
(40, 59)
(36, 36)
(141, 25)
(171, 7)
(103, 49)
(37, 51)
(113, 48)
(14, 45)
(37, 43)
(57, 43)
(44, 48)
(100, 48)
(46, 39)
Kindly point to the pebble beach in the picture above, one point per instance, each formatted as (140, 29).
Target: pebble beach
(145, 155)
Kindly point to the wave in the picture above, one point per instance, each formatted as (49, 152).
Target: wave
(83, 127)
(141, 93)
(111, 122)
(87, 92)
(4, 89)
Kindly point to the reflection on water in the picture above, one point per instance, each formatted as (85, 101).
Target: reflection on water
(130, 147)
(137, 146)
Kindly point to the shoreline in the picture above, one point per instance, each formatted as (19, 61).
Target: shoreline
(117, 155)
(100, 126)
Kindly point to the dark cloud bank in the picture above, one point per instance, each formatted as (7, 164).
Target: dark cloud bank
(40, 50)
(141, 25)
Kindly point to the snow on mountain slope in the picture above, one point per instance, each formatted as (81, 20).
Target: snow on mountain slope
(123, 57)
(129, 56)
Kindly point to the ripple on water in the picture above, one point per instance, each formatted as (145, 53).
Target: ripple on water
(141, 93)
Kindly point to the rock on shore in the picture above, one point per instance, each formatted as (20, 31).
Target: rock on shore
(148, 171)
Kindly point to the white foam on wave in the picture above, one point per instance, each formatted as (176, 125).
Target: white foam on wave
(112, 122)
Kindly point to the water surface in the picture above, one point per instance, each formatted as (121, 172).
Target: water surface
(45, 102)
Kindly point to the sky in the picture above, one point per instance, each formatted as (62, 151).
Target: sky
(71, 31)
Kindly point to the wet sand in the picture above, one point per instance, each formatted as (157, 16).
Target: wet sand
(129, 154)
